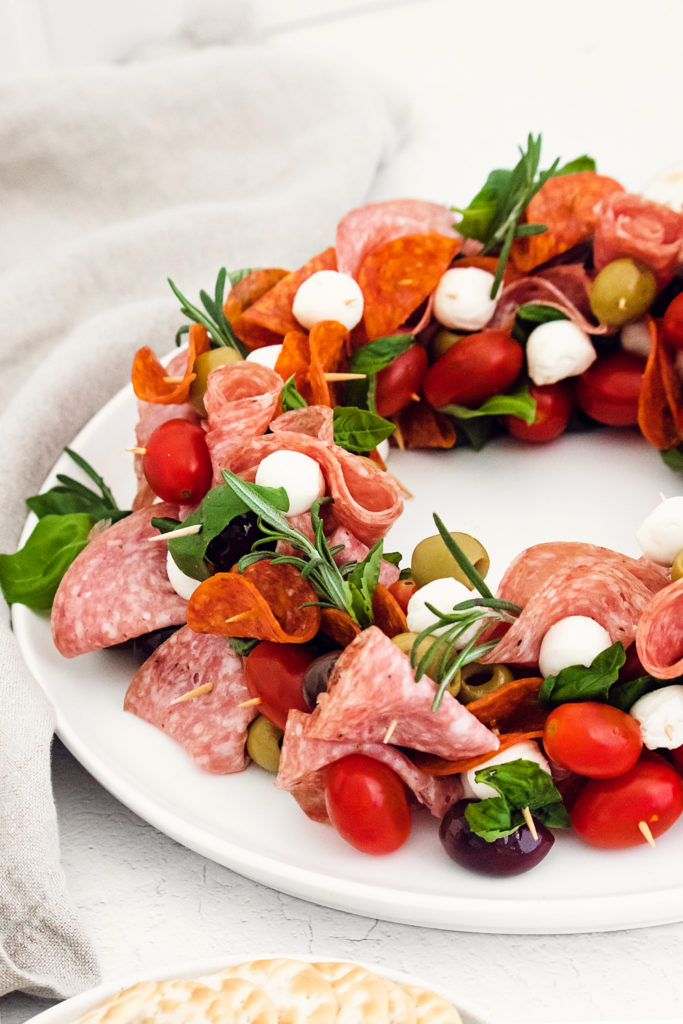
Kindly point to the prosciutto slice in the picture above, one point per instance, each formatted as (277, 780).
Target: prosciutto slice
(240, 400)
(210, 727)
(117, 588)
(373, 686)
(659, 640)
(304, 760)
(564, 288)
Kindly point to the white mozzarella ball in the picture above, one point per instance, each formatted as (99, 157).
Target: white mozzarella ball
(635, 338)
(328, 295)
(183, 584)
(576, 640)
(383, 449)
(300, 476)
(667, 188)
(442, 594)
(661, 533)
(660, 717)
(557, 350)
(463, 298)
(527, 751)
(265, 356)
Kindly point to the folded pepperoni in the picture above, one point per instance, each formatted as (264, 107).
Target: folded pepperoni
(609, 594)
(273, 311)
(373, 688)
(659, 640)
(399, 275)
(308, 357)
(266, 601)
(152, 381)
(569, 206)
(660, 405)
(439, 766)
(305, 758)
(631, 226)
(339, 626)
(243, 295)
(367, 227)
(387, 613)
(117, 588)
(241, 399)
(210, 726)
(422, 426)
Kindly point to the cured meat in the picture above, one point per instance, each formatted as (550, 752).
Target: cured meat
(117, 588)
(422, 426)
(210, 727)
(240, 400)
(243, 295)
(151, 379)
(304, 760)
(659, 640)
(273, 311)
(316, 421)
(660, 406)
(559, 290)
(308, 357)
(534, 566)
(610, 594)
(373, 685)
(642, 230)
(355, 551)
(367, 227)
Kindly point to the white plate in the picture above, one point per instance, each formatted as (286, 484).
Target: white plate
(592, 487)
(70, 1010)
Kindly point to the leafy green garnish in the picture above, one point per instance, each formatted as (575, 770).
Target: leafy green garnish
(31, 575)
(71, 496)
(359, 430)
(537, 313)
(520, 784)
(242, 645)
(290, 397)
(580, 163)
(581, 682)
(235, 276)
(520, 404)
(378, 354)
(673, 458)
(212, 316)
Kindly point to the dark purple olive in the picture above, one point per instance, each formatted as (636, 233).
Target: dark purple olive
(234, 541)
(316, 677)
(510, 855)
(147, 644)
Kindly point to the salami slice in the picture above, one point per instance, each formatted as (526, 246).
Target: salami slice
(273, 311)
(609, 594)
(659, 640)
(367, 227)
(240, 400)
(534, 566)
(316, 421)
(304, 760)
(373, 685)
(211, 727)
(631, 226)
(355, 550)
(117, 588)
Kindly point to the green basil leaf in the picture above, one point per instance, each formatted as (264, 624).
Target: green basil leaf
(378, 354)
(580, 163)
(492, 818)
(624, 695)
(537, 313)
(477, 431)
(32, 575)
(479, 215)
(581, 682)
(526, 230)
(69, 496)
(519, 404)
(359, 430)
(394, 557)
(235, 276)
(673, 458)
(553, 815)
(521, 783)
(242, 645)
(290, 397)
(362, 582)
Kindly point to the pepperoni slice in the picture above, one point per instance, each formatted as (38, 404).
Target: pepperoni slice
(437, 766)
(387, 612)
(339, 626)
(265, 601)
(310, 356)
(660, 407)
(244, 294)
(150, 379)
(273, 311)
(422, 426)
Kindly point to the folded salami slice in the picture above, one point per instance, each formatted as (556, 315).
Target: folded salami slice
(367, 227)
(534, 566)
(240, 400)
(609, 594)
(315, 420)
(304, 760)
(210, 727)
(117, 588)
(659, 640)
(373, 686)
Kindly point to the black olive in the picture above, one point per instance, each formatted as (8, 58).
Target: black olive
(316, 677)
(147, 644)
(234, 541)
(510, 855)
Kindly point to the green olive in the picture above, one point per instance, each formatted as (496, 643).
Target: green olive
(433, 561)
(203, 365)
(405, 643)
(263, 743)
(622, 291)
(441, 342)
(479, 680)
(677, 567)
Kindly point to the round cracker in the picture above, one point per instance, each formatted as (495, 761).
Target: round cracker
(163, 1002)
(361, 995)
(432, 1008)
(298, 990)
(249, 1002)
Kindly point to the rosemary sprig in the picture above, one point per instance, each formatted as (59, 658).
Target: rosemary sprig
(452, 626)
(212, 316)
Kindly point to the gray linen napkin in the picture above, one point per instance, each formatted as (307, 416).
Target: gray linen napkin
(110, 181)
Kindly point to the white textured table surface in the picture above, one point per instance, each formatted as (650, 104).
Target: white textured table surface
(473, 81)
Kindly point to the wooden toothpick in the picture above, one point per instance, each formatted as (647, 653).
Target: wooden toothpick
(185, 531)
(137, 451)
(254, 702)
(249, 613)
(197, 692)
(531, 824)
(333, 377)
(390, 731)
(645, 829)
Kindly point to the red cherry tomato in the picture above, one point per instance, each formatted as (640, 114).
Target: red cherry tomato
(554, 404)
(177, 464)
(403, 590)
(608, 812)
(402, 379)
(673, 322)
(609, 389)
(592, 739)
(274, 672)
(367, 804)
(474, 369)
